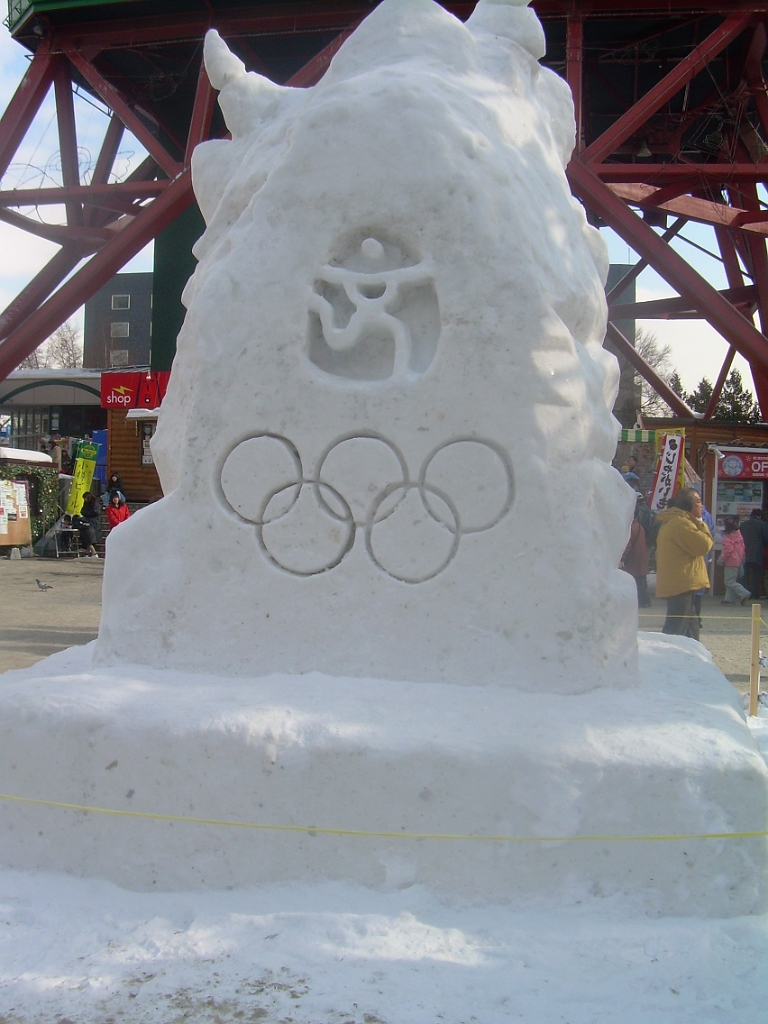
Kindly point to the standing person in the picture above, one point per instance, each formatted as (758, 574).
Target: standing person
(89, 524)
(117, 510)
(706, 517)
(635, 558)
(684, 540)
(755, 534)
(733, 556)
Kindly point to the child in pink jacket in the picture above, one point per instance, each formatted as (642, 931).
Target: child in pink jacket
(732, 556)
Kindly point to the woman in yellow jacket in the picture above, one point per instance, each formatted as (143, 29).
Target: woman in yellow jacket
(683, 541)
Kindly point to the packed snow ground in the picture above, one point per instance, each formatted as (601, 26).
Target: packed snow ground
(86, 951)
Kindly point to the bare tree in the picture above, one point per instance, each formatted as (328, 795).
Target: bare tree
(659, 357)
(37, 360)
(62, 349)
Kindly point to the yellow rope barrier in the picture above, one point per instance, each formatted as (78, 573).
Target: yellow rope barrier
(704, 618)
(312, 830)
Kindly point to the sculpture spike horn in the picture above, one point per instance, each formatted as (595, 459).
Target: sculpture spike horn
(222, 65)
(246, 99)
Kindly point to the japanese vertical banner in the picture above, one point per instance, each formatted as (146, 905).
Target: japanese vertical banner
(671, 454)
(85, 464)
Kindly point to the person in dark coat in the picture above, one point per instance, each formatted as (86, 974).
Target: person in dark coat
(635, 559)
(755, 533)
(114, 484)
(89, 524)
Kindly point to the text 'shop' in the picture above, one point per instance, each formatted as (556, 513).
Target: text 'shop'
(307, 523)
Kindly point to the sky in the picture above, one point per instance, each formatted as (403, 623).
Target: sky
(697, 350)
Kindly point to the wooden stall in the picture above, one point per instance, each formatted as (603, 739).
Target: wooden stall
(129, 454)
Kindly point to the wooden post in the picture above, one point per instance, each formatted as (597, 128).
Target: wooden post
(754, 672)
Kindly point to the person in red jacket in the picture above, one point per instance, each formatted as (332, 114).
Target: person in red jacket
(117, 510)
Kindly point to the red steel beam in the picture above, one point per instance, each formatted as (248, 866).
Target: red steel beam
(117, 103)
(25, 104)
(735, 280)
(104, 162)
(717, 390)
(149, 222)
(314, 69)
(266, 20)
(664, 90)
(695, 174)
(65, 118)
(38, 289)
(639, 267)
(630, 353)
(692, 207)
(108, 152)
(734, 327)
(82, 193)
(202, 114)
(100, 269)
(274, 19)
(675, 307)
(59, 234)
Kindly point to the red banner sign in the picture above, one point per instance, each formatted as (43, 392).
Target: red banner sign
(744, 466)
(136, 390)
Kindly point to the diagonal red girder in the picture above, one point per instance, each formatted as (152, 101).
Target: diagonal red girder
(630, 353)
(728, 321)
(202, 114)
(105, 161)
(672, 83)
(29, 328)
(38, 289)
(117, 103)
(82, 193)
(115, 254)
(25, 104)
(65, 117)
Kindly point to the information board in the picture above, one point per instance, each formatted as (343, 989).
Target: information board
(15, 520)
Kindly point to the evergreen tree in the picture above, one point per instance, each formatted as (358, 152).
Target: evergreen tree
(677, 386)
(736, 405)
(698, 400)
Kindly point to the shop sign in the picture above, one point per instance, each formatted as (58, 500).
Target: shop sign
(745, 466)
(137, 390)
(667, 471)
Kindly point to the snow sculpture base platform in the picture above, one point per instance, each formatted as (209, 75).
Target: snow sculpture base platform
(670, 756)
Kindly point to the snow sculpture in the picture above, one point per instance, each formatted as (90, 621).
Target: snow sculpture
(385, 447)
(385, 453)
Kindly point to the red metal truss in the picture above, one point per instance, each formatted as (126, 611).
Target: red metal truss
(624, 183)
(106, 221)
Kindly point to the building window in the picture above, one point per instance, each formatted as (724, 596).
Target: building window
(119, 329)
(119, 357)
(121, 302)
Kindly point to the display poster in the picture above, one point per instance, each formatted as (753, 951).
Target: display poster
(738, 497)
(668, 470)
(82, 476)
(147, 430)
(15, 519)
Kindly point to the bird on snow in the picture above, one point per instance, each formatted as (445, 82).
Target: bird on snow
(43, 586)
